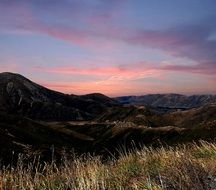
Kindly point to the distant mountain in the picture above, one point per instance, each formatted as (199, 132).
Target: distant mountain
(19, 95)
(173, 101)
(33, 119)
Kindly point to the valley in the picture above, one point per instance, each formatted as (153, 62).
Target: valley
(33, 119)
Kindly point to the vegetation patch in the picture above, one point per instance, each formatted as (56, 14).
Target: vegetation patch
(190, 166)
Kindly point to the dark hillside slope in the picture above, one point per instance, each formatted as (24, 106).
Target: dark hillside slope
(33, 119)
(20, 134)
(139, 115)
(23, 135)
(190, 118)
(177, 101)
(18, 95)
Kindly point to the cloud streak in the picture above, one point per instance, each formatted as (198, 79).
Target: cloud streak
(118, 73)
(131, 72)
(188, 40)
(95, 25)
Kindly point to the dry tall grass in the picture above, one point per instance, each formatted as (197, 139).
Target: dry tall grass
(185, 167)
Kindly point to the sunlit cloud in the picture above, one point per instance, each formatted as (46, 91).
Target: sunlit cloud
(187, 40)
(99, 29)
(110, 73)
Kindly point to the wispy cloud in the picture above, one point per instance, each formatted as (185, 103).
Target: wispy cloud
(70, 18)
(131, 71)
(112, 89)
(109, 74)
(198, 69)
(94, 24)
(80, 25)
(190, 41)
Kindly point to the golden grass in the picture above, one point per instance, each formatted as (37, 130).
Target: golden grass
(185, 167)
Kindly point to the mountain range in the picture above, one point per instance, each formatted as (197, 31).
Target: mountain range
(33, 119)
(172, 101)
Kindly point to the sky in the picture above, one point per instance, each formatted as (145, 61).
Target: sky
(114, 47)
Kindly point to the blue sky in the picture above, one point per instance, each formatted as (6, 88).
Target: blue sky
(115, 47)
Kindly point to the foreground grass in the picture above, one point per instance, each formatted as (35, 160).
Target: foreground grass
(186, 167)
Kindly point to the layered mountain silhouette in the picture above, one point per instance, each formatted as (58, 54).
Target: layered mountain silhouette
(33, 119)
(175, 101)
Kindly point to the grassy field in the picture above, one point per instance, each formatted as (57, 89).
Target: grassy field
(191, 166)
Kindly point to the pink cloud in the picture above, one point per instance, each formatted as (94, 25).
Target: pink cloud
(198, 69)
(86, 71)
(135, 70)
(179, 41)
(111, 73)
(122, 80)
(85, 87)
(67, 34)
(20, 15)
(195, 47)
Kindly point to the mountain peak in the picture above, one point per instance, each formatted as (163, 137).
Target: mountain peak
(10, 74)
(21, 96)
(14, 77)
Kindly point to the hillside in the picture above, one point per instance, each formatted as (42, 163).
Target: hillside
(172, 101)
(23, 97)
(33, 119)
(101, 138)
